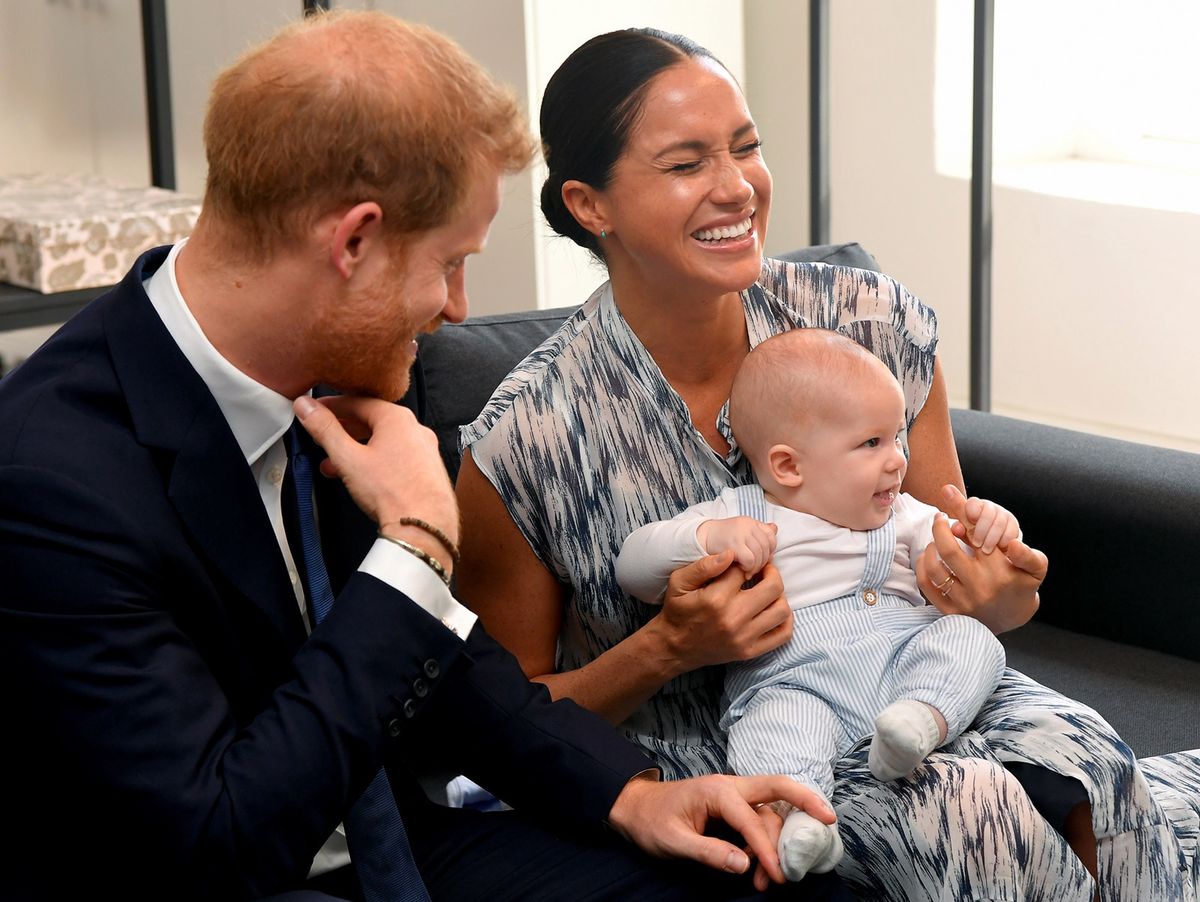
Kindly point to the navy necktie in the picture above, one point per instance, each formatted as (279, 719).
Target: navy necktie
(378, 844)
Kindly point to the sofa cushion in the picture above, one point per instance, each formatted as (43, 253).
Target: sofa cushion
(1149, 697)
(459, 366)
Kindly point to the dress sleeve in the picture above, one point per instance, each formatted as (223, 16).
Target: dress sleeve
(529, 445)
(882, 316)
(873, 309)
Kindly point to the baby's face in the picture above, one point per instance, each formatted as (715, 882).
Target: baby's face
(852, 457)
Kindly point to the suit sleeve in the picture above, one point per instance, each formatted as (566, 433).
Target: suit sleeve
(131, 681)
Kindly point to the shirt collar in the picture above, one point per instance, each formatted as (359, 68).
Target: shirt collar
(257, 415)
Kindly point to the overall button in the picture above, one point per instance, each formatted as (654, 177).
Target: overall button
(870, 596)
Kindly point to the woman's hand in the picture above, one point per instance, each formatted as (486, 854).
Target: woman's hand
(984, 524)
(709, 618)
(998, 589)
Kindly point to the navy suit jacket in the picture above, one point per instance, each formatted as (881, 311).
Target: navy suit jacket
(171, 729)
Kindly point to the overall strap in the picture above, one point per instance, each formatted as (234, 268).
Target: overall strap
(751, 502)
(881, 550)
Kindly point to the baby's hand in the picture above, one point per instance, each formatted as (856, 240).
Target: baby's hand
(752, 541)
(982, 524)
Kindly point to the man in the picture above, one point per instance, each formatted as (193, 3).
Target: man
(185, 719)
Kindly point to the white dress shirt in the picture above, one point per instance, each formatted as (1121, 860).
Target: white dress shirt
(259, 417)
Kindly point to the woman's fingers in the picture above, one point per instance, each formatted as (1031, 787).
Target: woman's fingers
(770, 623)
(1027, 559)
(701, 572)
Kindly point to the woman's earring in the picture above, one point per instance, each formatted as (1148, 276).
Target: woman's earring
(603, 234)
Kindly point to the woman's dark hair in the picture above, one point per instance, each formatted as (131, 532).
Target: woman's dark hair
(590, 106)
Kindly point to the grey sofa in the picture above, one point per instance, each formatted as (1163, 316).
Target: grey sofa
(1119, 625)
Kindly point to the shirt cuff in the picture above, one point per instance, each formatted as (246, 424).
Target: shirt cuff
(408, 574)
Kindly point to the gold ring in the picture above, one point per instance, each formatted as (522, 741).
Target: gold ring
(947, 581)
(949, 584)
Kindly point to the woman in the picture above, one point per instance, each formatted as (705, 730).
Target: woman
(655, 166)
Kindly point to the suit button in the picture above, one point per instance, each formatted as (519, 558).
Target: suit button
(409, 708)
(420, 688)
(394, 727)
(431, 669)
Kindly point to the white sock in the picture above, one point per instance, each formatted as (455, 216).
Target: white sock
(905, 732)
(805, 844)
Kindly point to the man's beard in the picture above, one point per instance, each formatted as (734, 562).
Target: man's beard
(367, 352)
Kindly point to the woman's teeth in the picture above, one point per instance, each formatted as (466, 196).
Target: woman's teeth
(734, 231)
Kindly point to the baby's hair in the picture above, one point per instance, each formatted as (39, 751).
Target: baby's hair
(791, 378)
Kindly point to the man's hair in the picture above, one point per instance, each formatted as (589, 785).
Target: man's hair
(352, 106)
(790, 379)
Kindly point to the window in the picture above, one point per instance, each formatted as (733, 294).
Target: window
(1097, 99)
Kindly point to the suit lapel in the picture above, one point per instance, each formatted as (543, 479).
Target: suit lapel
(206, 475)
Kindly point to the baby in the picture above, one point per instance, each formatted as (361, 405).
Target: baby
(821, 421)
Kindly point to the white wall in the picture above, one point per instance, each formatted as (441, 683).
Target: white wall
(1094, 313)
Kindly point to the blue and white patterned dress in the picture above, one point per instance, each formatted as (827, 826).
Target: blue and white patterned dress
(585, 441)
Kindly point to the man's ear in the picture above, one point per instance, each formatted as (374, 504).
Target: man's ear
(355, 234)
(783, 461)
(587, 205)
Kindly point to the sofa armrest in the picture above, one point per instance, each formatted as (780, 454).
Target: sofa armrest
(1119, 521)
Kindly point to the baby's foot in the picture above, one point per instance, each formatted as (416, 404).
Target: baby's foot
(805, 844)
(905, 732)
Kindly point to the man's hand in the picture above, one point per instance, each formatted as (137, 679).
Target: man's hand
(751, 541)
(667, 820)
(388, 462)
(772, 822)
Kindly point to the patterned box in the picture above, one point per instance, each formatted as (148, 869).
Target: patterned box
(63, 232)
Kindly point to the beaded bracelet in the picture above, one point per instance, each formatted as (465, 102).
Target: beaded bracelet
(425, 526)
(424, 556)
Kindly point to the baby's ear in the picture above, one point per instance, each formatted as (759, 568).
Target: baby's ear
(784, 464)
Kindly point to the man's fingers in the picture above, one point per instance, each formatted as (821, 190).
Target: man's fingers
(733, 808)
(773, 824)
(716, 853)
(322, 424)
(750, 824)
(773, 787)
